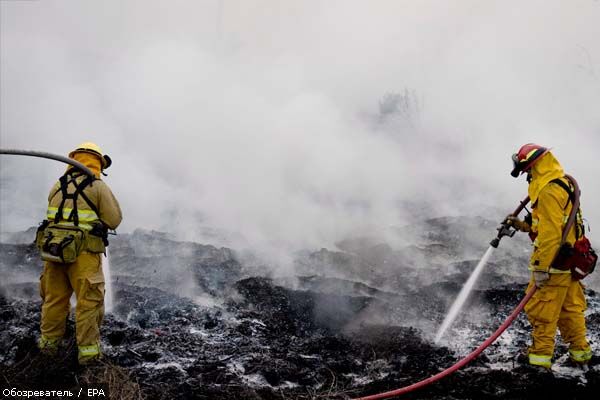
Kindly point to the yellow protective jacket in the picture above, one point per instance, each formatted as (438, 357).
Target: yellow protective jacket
(107, 209)
(98, 193)
(551, 209)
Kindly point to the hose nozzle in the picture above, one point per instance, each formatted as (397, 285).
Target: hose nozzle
(503, 230)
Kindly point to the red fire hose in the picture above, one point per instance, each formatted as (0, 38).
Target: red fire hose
(462, 362)
(503, 230)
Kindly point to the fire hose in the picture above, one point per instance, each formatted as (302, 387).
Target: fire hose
(49, 156)
(503, 230)
(461, 363)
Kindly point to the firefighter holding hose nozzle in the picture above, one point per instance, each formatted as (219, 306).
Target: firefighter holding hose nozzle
(81, 209)
(559, 300)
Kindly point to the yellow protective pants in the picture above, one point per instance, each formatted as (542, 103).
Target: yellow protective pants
(57, 283)
(560, 303)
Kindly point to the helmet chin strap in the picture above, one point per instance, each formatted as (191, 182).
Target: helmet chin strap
(529, 177)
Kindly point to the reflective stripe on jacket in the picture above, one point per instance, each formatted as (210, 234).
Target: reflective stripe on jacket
(98, 193)
(86, 217)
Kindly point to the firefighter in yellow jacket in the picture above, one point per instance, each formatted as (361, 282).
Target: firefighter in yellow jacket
(71, 241)
(559, 300)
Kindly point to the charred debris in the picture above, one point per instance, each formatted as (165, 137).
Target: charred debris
(196, 321)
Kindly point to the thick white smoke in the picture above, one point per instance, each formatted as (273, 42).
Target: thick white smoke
(266, 120)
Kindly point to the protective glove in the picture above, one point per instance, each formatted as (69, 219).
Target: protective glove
(517, 223)
(540, 278)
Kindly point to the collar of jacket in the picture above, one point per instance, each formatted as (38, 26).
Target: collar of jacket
(544, 171)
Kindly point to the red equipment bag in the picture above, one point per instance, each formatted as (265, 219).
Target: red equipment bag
(580, 258)
(583, 259)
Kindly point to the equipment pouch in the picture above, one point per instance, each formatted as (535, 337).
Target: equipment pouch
(97, 238)
(39, 234)
(583, 260)
(580, 258)
(562, 261)
(61, 244)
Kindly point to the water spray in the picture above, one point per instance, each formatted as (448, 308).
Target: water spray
(463, 295)
(505, 229)
(108, 291)
(450, 370)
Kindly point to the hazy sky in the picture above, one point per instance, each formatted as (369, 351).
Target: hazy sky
(262, 118)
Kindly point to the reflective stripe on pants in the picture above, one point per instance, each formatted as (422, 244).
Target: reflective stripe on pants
(541, 360)
(559, 304)
(89, 352)
(48, 343)
(581, 356)
(58, 282)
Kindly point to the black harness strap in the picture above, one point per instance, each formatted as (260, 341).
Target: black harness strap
(567, 189)
(79, 191)
(88, 201)
(64, 183)
(65, 195)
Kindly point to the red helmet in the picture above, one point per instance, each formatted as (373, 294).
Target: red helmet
(526, 157)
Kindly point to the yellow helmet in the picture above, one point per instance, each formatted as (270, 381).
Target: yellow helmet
(93, 148)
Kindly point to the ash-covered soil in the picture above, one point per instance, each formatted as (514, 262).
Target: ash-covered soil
(196, 321)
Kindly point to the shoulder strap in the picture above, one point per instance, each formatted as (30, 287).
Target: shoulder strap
(566, 188)
(87, 199)
(64, 183)
(79, 191)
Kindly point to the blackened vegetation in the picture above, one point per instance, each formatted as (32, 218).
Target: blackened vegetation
(191, 321)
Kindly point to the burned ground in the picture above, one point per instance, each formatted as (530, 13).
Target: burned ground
(194, 321)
